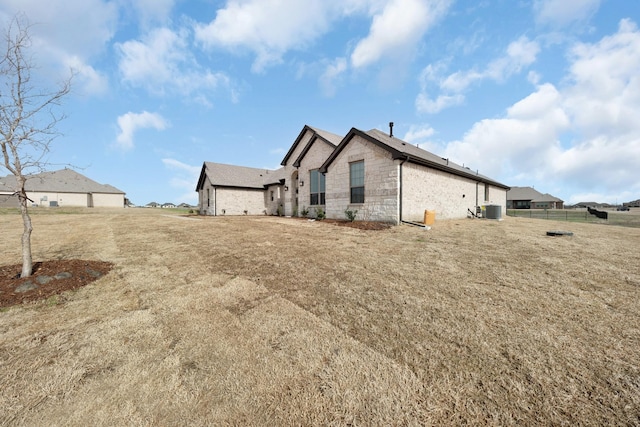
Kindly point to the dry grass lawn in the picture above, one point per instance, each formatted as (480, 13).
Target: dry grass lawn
(274, 321)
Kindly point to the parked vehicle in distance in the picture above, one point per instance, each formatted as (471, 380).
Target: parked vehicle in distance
(622, 208)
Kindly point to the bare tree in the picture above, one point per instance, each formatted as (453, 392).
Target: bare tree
(28, 118)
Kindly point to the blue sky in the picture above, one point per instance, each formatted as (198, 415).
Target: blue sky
(542, 93)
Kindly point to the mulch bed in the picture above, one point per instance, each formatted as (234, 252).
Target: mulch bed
(49, 278)
(361, 225)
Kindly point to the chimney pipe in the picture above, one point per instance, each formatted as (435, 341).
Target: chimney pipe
(391, 129)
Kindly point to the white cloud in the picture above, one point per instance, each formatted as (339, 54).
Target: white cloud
(398, 28)
(130, 123)
(184, 179)
(153, 11)
(68, 33)
(582, 136)
(268, 28)
(519, 54)
(90, 79)
(80, 27)
(271, 28)
(161, 62)
(424, 104)
(420, 135)
(560, 13)
(332, 73)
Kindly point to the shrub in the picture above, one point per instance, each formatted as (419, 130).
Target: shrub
(280, 210)
(304, 212)
(351, 215)
(320, 213)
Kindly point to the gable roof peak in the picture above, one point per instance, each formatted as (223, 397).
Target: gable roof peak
(328, 137)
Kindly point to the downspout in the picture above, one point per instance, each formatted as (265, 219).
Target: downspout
(400, 201)
(215, 201)
(476, 207)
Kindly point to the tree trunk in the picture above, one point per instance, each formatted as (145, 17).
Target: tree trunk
(27, 260)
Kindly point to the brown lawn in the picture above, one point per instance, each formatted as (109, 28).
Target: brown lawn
(276, 321)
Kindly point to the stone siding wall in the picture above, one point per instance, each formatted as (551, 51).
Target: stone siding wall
(449, 195)
(272, 206)
(291, 195)
(380, 183)
(101, 200)
(63, 199)
(315, 157)
(234, 201)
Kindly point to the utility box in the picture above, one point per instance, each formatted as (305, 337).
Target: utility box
(429, 217)
(493, 212)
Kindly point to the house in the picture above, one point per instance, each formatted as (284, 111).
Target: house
(63, 187)
(380, 176)
(530, 198)
(168, 205)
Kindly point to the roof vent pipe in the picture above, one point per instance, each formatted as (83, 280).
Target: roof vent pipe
(391, 129)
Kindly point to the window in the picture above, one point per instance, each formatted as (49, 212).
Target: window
(272, 196)
(356, 175)
(317, 189)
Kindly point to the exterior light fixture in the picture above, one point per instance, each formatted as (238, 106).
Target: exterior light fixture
(286, 188)
(301, 183)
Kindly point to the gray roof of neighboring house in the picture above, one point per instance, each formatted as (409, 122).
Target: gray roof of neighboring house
(60, 181)
(404, 150)
(223, 175)
(530, 193)
(523, 193)
(546, 197)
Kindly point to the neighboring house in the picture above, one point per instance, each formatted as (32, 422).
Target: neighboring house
(380, 176)
(168, 205)
(152, 205)
(64, 187)
(530, 198)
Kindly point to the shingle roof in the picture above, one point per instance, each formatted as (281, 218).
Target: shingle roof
(404, 150)
(61, 181)
(546, 197)
(223, 175)
(523, 193)
(330, 137)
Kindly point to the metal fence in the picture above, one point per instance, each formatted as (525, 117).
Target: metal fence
(624, 219)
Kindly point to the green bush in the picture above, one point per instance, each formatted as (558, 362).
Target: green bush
(320, 213)
(351, 215)
(304, 212)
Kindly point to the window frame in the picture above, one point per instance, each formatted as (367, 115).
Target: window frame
(319, 195)
(356, 192)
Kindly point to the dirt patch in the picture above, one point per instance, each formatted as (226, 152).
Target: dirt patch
(49, 278)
